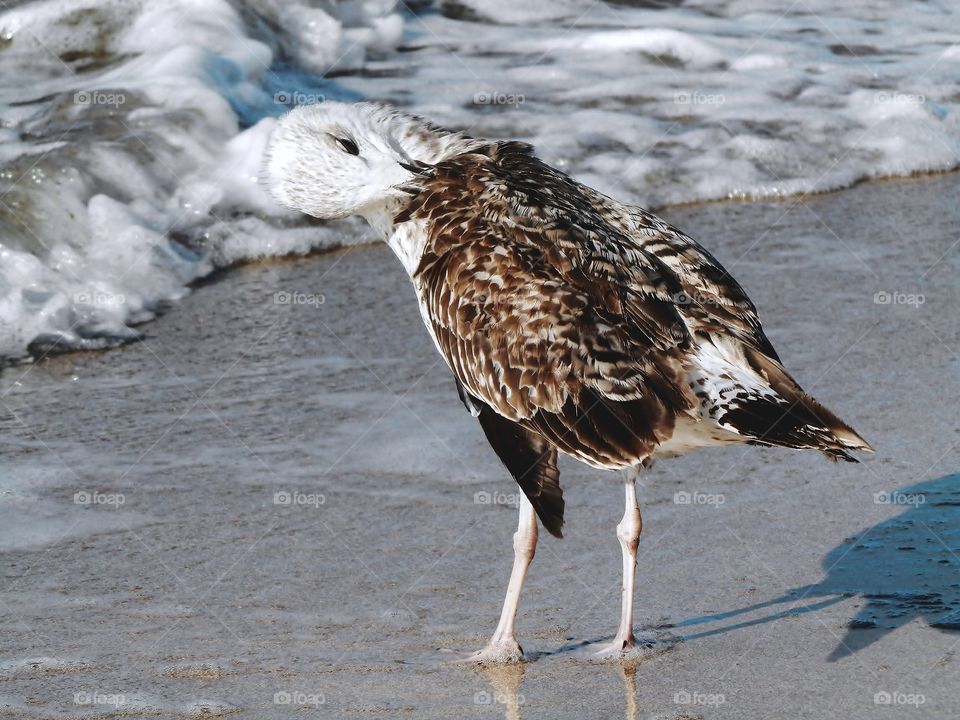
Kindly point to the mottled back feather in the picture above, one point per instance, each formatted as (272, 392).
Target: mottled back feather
(591, 323)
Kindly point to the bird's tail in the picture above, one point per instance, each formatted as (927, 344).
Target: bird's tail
(797, 422)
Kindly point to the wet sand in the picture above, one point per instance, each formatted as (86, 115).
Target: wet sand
(275, 506)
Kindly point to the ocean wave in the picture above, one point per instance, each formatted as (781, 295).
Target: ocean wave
(133, 131)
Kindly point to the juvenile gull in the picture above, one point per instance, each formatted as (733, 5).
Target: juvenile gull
(571, 322)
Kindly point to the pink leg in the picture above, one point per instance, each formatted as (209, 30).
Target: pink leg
(628, 533)
(503, 646)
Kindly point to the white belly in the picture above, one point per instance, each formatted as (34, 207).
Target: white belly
(694, 434)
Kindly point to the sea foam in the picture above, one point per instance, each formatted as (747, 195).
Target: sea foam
(133, 132)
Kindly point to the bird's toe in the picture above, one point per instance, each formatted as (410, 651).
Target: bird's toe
(501, 652)
(626, 649)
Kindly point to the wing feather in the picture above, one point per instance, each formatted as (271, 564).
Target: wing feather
(539, 312)
(594, 324)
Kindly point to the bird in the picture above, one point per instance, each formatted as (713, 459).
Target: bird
(572, 323)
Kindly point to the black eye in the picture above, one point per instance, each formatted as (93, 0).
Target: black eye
(348, 146)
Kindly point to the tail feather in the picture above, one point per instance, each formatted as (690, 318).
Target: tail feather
(799, 421)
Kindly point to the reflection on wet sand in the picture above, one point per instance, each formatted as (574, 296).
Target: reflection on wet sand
(628, 674)
(506, 681)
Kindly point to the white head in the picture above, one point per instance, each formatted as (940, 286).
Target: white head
(336, 159)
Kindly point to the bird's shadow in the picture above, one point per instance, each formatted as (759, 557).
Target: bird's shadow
(903, 568)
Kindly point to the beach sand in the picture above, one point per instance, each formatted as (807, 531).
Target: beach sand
(275, 505)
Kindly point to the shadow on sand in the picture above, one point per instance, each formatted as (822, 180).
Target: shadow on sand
(903, 568)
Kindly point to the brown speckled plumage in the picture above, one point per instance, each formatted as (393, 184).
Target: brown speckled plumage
(590, 326)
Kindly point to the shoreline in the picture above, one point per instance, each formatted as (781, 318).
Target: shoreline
(916, 175)
(220, 273)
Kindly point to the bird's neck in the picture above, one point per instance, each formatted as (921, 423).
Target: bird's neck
(406, 239)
